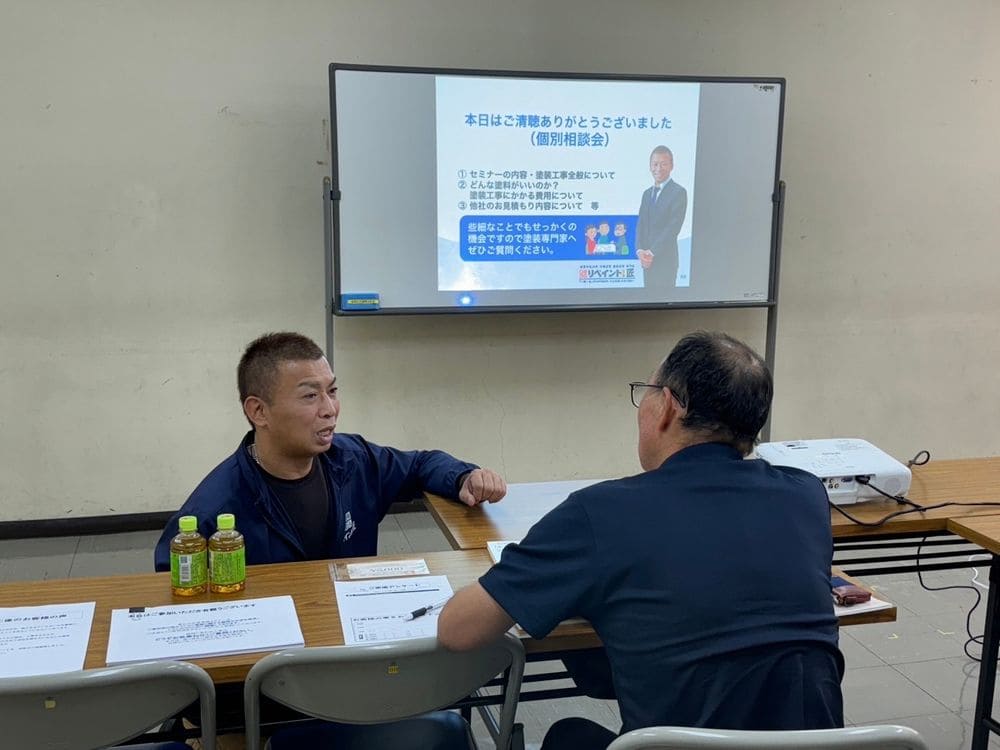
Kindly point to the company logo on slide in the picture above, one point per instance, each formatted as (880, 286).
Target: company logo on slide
(610, 273)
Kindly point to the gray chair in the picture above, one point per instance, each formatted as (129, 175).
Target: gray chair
(849, 738)
(396, 682)
(98, 708)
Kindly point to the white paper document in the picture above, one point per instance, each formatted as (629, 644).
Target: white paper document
(872, 605)
(383, 610)
(184, 631)
(44, 640)
(548, 491)
(387, 569)
(496, 548)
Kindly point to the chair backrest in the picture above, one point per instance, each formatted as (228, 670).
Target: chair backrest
(850, 738)
(97, 708)
(382, 682)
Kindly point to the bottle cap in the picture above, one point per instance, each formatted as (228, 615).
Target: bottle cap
(226, 522)
(188, 523)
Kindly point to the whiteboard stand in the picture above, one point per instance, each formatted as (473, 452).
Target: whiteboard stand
(778, 201)
(328, 264)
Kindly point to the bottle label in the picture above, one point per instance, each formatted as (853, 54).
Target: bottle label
(187, 571)
(228, 567)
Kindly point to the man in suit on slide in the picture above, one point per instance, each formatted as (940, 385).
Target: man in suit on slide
(661, 214)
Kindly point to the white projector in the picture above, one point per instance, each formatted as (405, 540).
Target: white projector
(839, 463)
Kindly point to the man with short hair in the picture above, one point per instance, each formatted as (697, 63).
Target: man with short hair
(706, 577)
(299, 489)
(661, 216)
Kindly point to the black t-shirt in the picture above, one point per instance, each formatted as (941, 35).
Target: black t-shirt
(307, 503)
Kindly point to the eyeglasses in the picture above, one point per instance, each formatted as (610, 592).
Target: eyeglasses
(637, 384)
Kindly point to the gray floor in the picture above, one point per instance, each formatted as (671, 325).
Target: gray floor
(910, 672)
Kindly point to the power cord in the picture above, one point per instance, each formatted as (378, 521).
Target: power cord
(977, 639)
(921, 458)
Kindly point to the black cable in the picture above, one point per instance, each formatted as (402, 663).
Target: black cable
(921, 458)
(906, 511)
(902, 500)
(977, 639)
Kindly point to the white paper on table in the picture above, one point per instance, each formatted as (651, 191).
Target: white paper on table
(388, 569)
(183, 631)
(496, 548)
(45, 639)
(376, 611)
(872, 605)
(547, 491)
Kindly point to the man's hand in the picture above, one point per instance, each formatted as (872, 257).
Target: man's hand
(482, 486)
(645, 258)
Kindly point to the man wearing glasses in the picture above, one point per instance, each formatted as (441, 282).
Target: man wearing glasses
(707, 576)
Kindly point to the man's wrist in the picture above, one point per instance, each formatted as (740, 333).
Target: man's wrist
(461, 480)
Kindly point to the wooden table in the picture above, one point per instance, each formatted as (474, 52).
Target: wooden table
(985, 531)
(309, 583)
(311, 586)
(962, 481)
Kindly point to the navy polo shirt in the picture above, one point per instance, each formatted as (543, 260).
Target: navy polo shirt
(707, 580)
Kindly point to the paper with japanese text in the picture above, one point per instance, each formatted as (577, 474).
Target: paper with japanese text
(387, 569)
(44, 640)
(376, 611)
(184, 631)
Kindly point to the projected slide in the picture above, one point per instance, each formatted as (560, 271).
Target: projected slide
(564, 184)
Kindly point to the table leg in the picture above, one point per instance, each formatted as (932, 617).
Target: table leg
(984, 722)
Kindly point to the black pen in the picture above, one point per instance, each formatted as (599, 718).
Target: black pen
(424, 610)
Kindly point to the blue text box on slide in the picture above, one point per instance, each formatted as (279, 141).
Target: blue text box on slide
(534, 238)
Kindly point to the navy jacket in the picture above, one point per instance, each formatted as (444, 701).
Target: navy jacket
(364, 479)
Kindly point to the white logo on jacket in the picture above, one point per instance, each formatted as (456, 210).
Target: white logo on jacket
(349, 526)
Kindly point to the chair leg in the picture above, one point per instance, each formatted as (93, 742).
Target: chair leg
(517, 737)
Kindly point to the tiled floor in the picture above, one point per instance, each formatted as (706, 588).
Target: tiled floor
(910, 672)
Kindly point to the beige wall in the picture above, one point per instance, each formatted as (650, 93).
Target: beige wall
(160, 170)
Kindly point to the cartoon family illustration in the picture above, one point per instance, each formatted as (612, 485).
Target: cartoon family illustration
(600, 242)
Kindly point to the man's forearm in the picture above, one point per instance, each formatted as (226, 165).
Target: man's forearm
(472, 619)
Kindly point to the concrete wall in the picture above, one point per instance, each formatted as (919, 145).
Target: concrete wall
(160, 184)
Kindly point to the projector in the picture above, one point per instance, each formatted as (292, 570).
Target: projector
(839, 463)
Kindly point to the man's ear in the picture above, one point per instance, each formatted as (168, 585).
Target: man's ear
(671, 410)
(256, 411)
